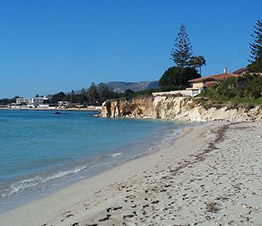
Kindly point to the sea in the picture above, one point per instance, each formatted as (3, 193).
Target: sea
(41, 152)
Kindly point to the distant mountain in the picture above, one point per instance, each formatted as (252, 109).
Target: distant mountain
(121, 87)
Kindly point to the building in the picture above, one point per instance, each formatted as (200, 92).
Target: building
(39, 100)
(23, 101)
(245, 70)
(208, 81)
(187, 92)
(64, 104)
(241, 71)
(31, 101)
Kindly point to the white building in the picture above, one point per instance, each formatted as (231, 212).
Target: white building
(31, 101)
(39, 100)
(22, 100)
(192, 92)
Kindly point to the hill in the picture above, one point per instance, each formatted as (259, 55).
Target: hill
(121, 87)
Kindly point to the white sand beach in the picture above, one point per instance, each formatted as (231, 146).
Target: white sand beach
(210, 176)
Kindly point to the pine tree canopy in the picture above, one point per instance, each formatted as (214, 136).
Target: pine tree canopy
(182, 52)
(256, 46)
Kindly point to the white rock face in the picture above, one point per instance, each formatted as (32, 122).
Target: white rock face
(176, 108)
(140, 107)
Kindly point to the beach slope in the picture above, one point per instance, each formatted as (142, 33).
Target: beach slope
(210, 176)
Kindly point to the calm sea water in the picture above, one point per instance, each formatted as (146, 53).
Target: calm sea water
(41, 151)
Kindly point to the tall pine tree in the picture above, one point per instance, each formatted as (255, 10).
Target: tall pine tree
(256, 46)
(182, 52)
(256, 49)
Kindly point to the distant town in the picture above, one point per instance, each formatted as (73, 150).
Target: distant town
(41, 103)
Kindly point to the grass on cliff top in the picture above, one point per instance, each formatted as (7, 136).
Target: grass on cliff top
(244, 100)
(236, 100)
(130, 94)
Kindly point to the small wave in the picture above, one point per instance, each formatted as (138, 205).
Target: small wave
(32, 182)
(116, 154)
(171, 135)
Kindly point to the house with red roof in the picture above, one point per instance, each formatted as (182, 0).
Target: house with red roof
(241, 71)
(208, 81)
(245, 70)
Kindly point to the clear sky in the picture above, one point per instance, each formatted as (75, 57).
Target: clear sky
(47, 46)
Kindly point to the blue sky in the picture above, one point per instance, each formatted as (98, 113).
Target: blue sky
(47, 46)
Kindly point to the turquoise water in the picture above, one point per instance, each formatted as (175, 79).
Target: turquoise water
(41, 151)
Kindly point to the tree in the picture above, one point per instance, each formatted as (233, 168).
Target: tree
(72, 97)
(256, 49)
(197, 61)
(177, 78)
(182, 52)
(128, 93)
(58, 97)
(103, 92)
(256, 66)
(256, 46)
(92, 94)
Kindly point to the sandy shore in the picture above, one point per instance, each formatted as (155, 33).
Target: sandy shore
(211, 176)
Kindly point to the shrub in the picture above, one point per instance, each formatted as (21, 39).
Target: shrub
(244, 89)
(177, 78)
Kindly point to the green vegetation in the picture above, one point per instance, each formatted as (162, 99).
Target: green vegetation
(256, 46)
(256, 66)
(256, 49)
(131, 94)
(176, 78)
(241, 90)
(197, 62)
(6, 101)
(95, 95)
(146, 92)
(182, 52)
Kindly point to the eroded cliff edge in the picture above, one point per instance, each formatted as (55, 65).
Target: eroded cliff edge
(176, 108)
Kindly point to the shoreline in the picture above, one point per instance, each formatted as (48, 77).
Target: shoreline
(82, 170)
(210, 175)
(49, 197)
(91, 171)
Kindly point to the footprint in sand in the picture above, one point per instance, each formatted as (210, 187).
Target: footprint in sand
(106, 218)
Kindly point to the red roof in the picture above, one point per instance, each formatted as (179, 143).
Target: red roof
(217, 77)
(241, 70)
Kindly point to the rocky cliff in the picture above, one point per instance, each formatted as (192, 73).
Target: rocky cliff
(176, 108)
(141, 107)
